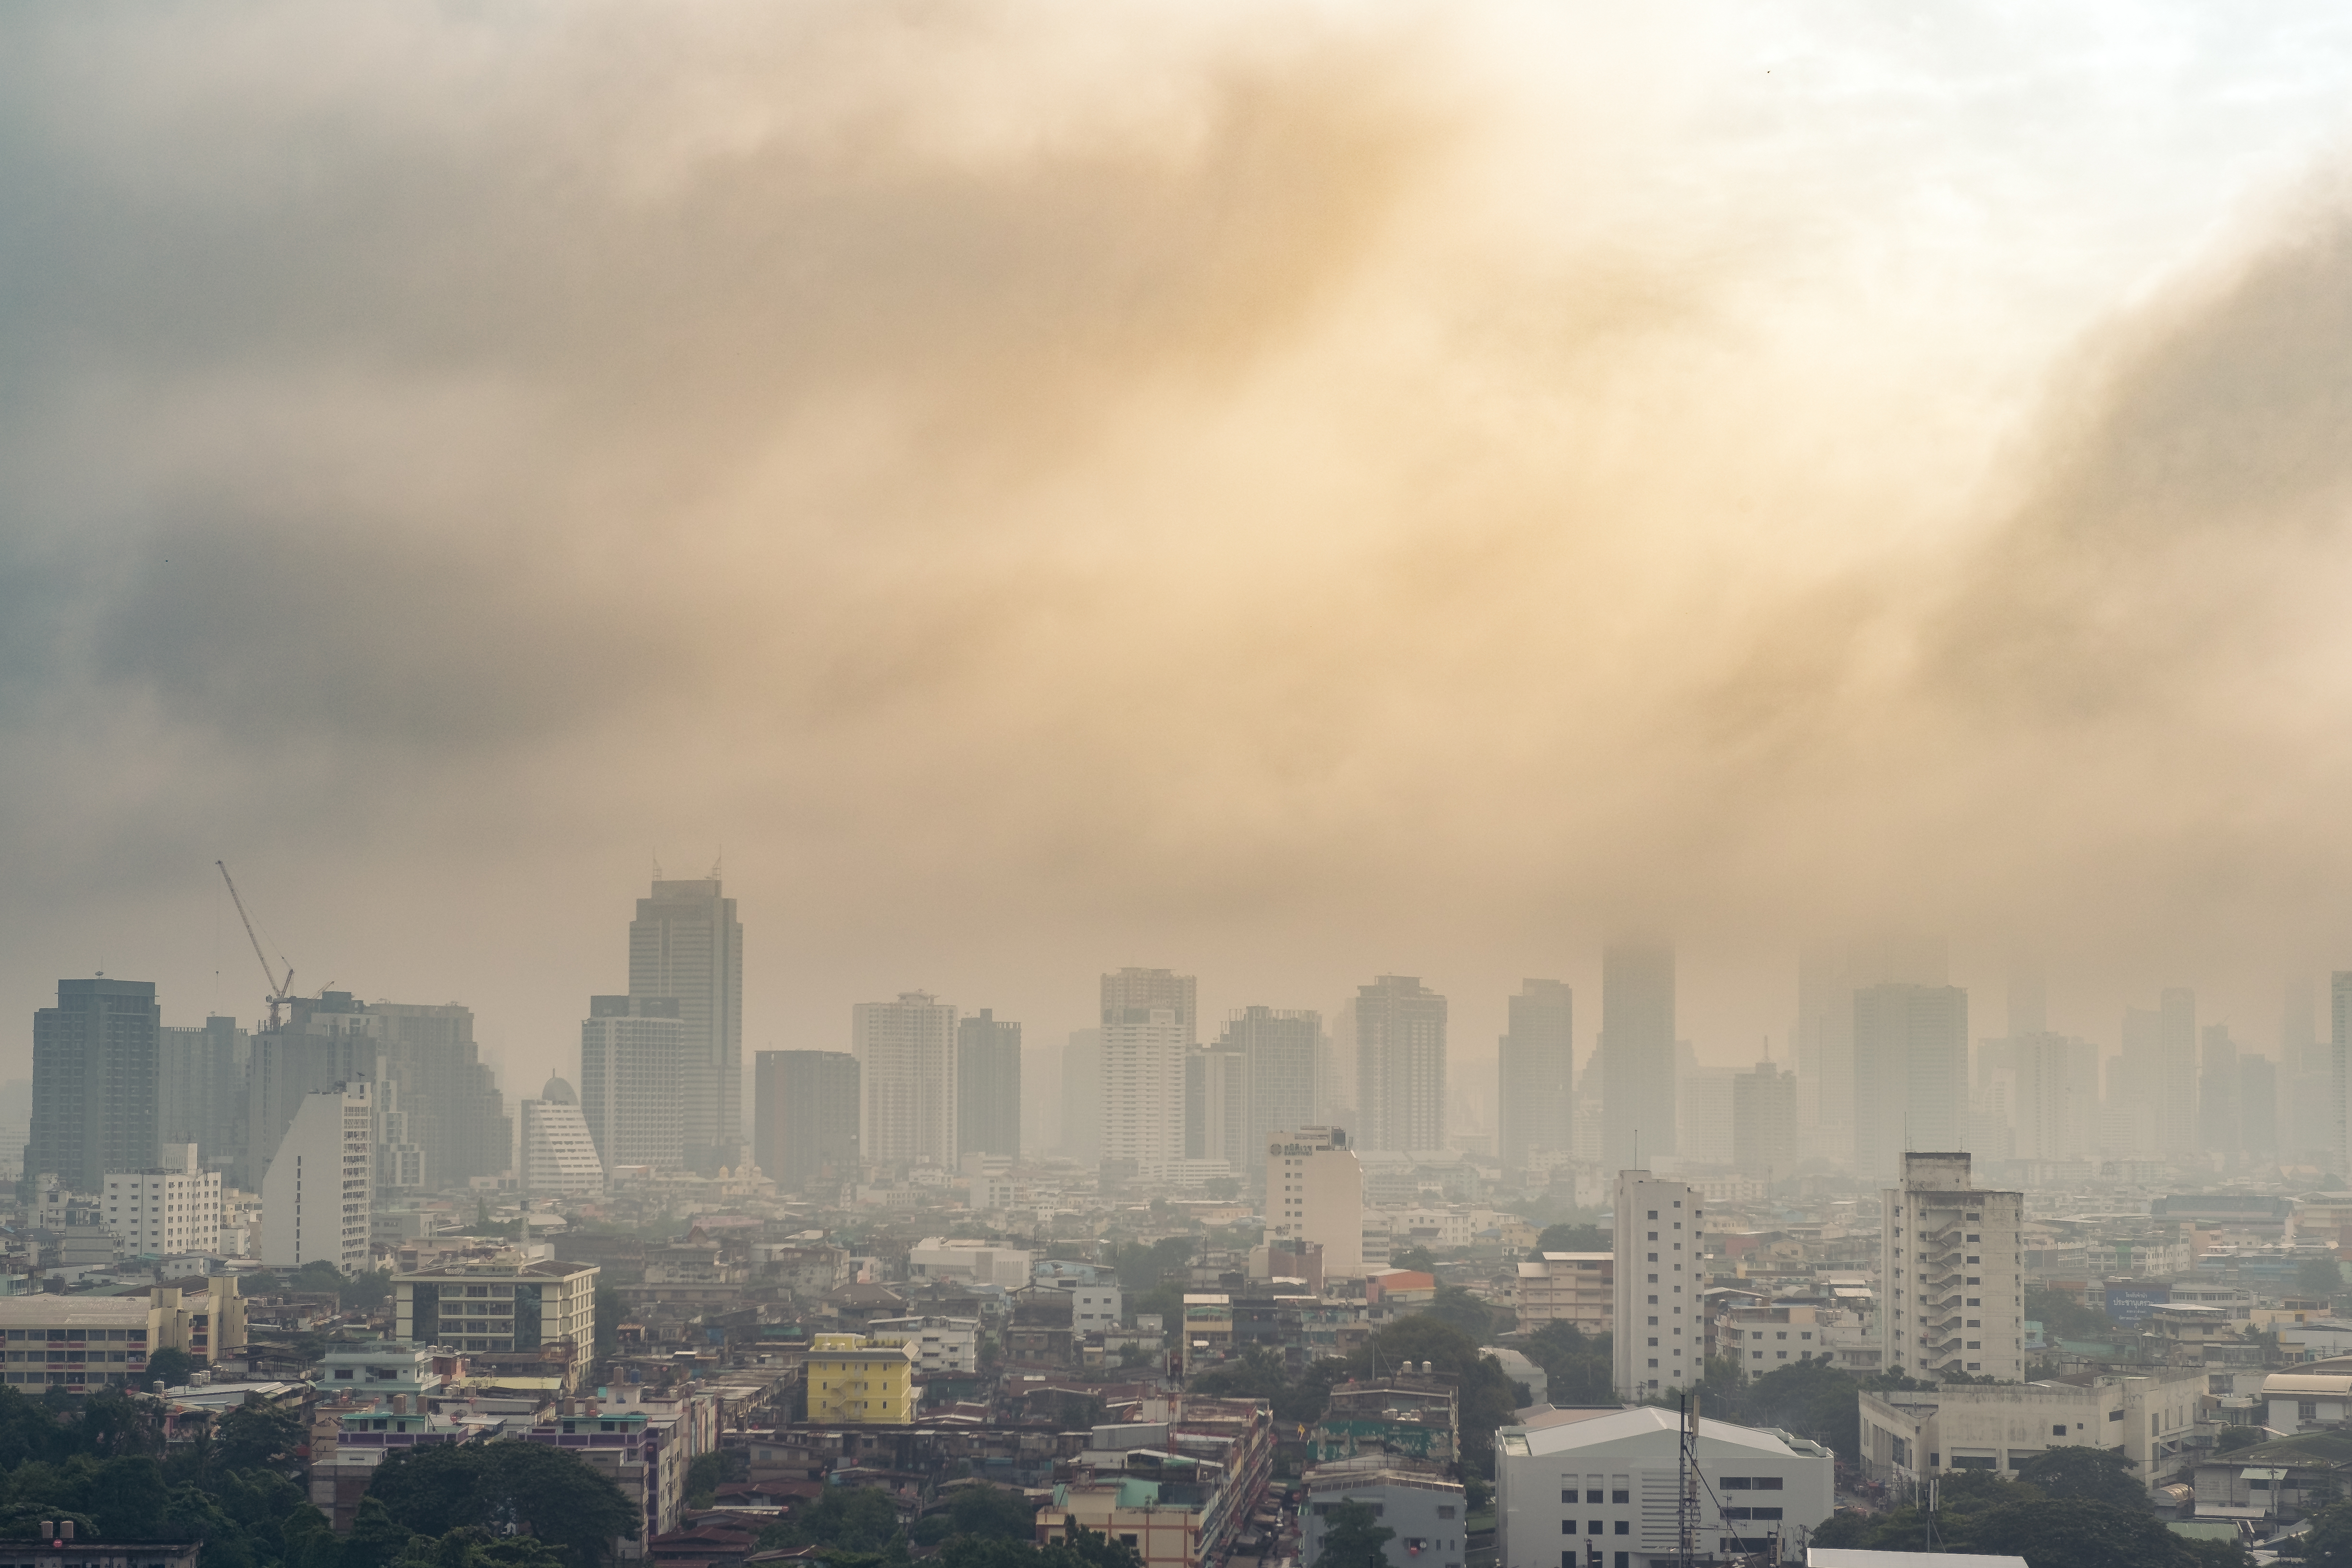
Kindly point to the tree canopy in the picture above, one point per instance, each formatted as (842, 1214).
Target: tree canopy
(574, 1508)
(1353, 1538)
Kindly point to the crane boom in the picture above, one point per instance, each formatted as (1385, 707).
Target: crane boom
(279, 991)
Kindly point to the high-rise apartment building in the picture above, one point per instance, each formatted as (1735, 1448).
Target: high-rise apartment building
(1660, 1337)
(804, 1118)
(906, 1072)
(553, 1151)
(95, 1077)
(1082, 1096)
(1703, 1115)
(2177, 1067)
(168, 1210)
(633, 1052)
(1952, 1271)
(988, 1085)
(1282, 1054)
(1637, 1053)
(1399, 1065)
(321, 1185)
(1764, 1123)
(1828, 975)
(1217, 1106)
(1910, 1074)
(686, 944)
(201, 1098)
(1143, 1053)
(1535, 1073)
(1315, 1194)
(324, 1041)
(1135, 992)
(2218, 1116)
(448, 1096)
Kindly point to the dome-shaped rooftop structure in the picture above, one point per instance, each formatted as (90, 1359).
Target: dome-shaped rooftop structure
(558, 1091)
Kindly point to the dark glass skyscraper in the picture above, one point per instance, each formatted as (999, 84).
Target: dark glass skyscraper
(988, 1085)
(805, 1113)
(1536, 1073)
(95, 1081)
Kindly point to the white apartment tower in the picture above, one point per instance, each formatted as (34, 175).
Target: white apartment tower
(554, 1152)
(321, 1185)
(686, 944)
(1315, 1192)
(1143, 1090)
(1660, 1337)
(164, 1211)
(1952, 1273)
(906, 1053)
(633, 1053)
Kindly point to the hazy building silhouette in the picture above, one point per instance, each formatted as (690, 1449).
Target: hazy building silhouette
(1399, 1065)
(2175, 1099)
(1082, 1090)
(2258, 1109)
(1217, 1106)
(907, 1077)
(553, 1151)
(95, 1077)
(448, 1096)
(1911, 1074)
(1534, 1074)
(2219, 1129)
(1134, 991)
(804, 1118)
(633, 1053)
(1637, 1053)
(2339, 1036)
(1143, 1060)
(1283, 1054)
(323, 1042)
(685, 942)
(988, 1085)
(201, 1097)
(1703, 1115)
(1764, 1121)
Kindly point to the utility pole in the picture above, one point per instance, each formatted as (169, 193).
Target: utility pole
(1686, 1487)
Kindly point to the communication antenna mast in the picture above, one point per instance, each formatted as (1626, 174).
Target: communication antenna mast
(280, 991)
(1686, 1487)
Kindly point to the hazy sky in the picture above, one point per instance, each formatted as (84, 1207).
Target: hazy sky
(1290, 491)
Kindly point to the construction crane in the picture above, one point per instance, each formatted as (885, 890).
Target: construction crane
(280, 991)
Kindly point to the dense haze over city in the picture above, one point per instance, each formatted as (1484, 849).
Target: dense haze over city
(1290, 494)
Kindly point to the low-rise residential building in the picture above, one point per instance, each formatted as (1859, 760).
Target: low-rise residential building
(1908, 1436)
(853, 1380)
(82, 1343)
(507, 1307)
(1180, 1502)
(2275, 1483)
(1094, 1308)
(171, 1210)
(940, 1344)
(1569, 1481)
(1414, 1415)
(1415, 1501)
(2316, 1394)
(937, 1257)
(1577, 1288)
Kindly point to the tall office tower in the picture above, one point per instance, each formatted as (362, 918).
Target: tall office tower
(169, 1210)
(1143, 1090)
(94, 1081)
(2258, 1110)
(906, 1074)
(554, 1152)
(1534, 1074)
(2217, 1117)
(1764, 1123)
(633, 1052)
(1335, 1070)
(2135, 1113)
(448, 1095)
(323, 1042)
(1282, 1052)
(2176, 1066)
(2052, 1094)
(1217, 1106)
(318, 1189)
(399, 1158)
(1082, 1099)
(1637, 1053)
(805, 1117)
(2306, 1078)
(1137, 992)
(2339, 1057)
(1399, 1065)
(988, 1085)
(1953, 1273)
(1703, 1099)
(200, 1098)
(1910, 1074)
(685, 942)
(1660, 1327)
(1315, 1194)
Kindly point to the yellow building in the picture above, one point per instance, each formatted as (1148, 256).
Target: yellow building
(853, 1380)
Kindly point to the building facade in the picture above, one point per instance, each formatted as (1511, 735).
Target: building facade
(1315, 1196)
(686, 944)
(553, 1150)
(164, 1211)
(1953, 1269)
(1143, 1061)
(1910, 1074)
(907, 1077)
(852, 1381)
(1281, 1053)
(202, 1098)
(96, 1072)
(1575, 1288)
(1637, 1054)
(804, 1118)
(320, 1188)
(1764, 1123)
(633, 1080)
(1660, 1332)
(504, 1306)
(1535, 1072)
(988, 1085)
(1399, 1064)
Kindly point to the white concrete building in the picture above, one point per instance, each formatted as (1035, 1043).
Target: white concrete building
(1315, 1192)
(553, 1150)
(1906, 1436)
(1143, 1090)
(937, 1344)
(1569, 1481)
(1095, 1309)
(321, 1185)
(937, 1257)
(907, 1079)
(1412, 1500)
(1660, 1333)
(633, 1057)
(171, 1210)
(1953, 1271)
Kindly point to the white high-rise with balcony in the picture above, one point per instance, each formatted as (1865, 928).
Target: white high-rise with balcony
(164, 1211)
(1952, 1272)
(1143, 1090)
(1659, 1338)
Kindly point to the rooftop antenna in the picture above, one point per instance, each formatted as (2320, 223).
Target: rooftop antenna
(658, 871)
(717, 861)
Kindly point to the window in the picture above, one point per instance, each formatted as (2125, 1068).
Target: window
(1621, 1494)
(1446, 1511)
(1592, 1496)
(1567, 1496)
(2059, 1430)
(1623, 1528)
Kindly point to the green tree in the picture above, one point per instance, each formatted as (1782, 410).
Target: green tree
(1353, 1538)
(555, 1496)
(993, 1510)
(2230, 1438)
(1454, 1305)
(2320, 1277)
(2078, 1532)
(1574, 1238)
(1415, 1257)
(171, 1367)
(2328, 1542)
(127, 1497)
(2078, 1474)
(376, 1538)
(257, 1433)
(2063, 1318)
